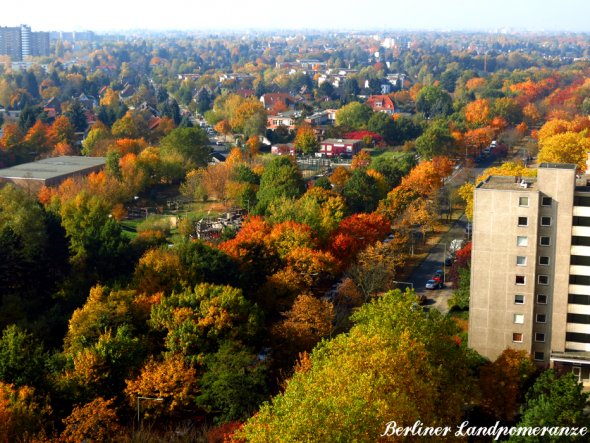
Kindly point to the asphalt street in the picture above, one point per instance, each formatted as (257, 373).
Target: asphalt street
(437, 298)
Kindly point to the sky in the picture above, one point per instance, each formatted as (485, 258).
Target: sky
(120, 15)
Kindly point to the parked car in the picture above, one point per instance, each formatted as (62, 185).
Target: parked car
(439, 281)
(432, 284)
(449, 260)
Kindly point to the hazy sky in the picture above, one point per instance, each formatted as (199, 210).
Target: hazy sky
(103, 15)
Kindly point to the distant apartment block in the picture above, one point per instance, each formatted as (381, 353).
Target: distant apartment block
(530, 269)
(20, 42)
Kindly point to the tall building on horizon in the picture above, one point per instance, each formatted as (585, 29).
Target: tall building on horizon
(530, 268)
(20, 42)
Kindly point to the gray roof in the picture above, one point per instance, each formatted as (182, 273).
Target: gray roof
(51, 167)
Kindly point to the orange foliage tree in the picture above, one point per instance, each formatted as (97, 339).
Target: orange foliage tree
(477, 112)
(95, 421)
(356, 232)
(172, 379)
(502, 383)
(306, 323)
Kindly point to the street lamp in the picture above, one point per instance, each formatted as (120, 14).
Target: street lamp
(146, 398)
(444, 263)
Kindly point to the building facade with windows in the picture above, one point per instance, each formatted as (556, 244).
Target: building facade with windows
(20, 42)
(530, 268)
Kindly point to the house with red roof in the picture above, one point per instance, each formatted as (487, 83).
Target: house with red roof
(381, 103)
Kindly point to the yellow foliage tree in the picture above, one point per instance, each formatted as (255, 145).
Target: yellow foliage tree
(569, 147)
(172, 380)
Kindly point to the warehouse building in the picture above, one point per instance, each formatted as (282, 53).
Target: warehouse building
(51, 171)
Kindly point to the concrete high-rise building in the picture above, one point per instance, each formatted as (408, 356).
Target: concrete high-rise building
(530, 268)
(20, 42)
(10, 42)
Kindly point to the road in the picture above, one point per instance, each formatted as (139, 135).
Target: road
(438, 298)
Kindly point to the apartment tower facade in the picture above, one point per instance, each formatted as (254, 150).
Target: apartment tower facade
(530, 268)
(20, 42)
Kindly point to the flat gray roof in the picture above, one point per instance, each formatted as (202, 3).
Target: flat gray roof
(558, 165)
(49, 168)
(508, 183)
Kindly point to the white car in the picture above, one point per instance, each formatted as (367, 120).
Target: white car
(431, 284)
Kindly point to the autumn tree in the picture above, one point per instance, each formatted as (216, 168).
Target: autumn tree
(357, 380)
(21, 414)
(568, 147)
(62, 130)
(356, 232)
(306, 323)
(196, 321)
(97, 140)
(95, 421)
(306, 140)
(223, 127)
(503, 383)
(132, 125)
(172, 380)
(318, 208)
(375, 268)
(477, 112)
(38, 138)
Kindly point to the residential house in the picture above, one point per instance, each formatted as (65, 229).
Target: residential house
(283, 149)
(285, 119)
(381, 103)
(52, 107)
(277, 100)
(127, 92)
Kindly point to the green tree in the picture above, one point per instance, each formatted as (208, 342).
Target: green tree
(197, 321)
(190, 143)
(361, 192)
(22, 359)
(432, 101)
(281, 179)
(201, 263)
(460, 297)
(393, 168)
(397, 361)
(383, 124)
(77, 117)
(436, 140)
(554, 401)
(234, 382)
(354, 115)
(97, 245)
